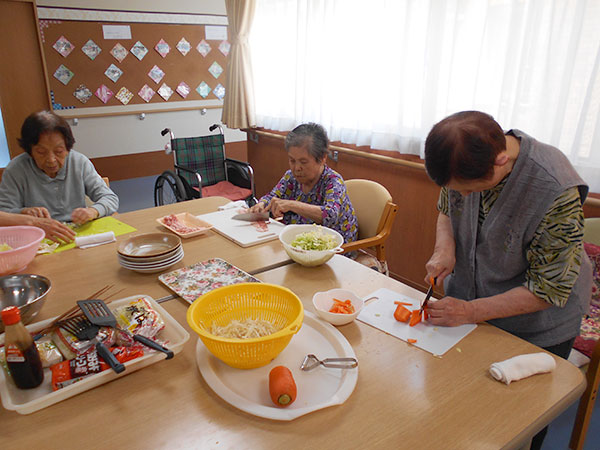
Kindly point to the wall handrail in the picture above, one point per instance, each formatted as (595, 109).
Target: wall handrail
(388, 159)
(589, 201)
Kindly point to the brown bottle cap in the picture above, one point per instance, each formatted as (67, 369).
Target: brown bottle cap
(11, 315)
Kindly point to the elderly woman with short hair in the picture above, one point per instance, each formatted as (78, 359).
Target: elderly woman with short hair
(50, 180)
(311, 192)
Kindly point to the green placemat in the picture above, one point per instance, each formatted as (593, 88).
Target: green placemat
(101, 225)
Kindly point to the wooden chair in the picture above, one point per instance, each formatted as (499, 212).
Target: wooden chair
(375, 212)
(588, 399)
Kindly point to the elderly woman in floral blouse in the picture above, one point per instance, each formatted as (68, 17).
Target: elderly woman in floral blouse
(311, 192)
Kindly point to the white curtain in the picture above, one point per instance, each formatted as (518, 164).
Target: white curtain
(381, 73)
(238, 105)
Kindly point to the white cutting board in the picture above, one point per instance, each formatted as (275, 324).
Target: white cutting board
(435, 339)
(241, 232)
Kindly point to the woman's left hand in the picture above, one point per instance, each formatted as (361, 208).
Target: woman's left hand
(80, 216)
(279, 206)
(449, 312)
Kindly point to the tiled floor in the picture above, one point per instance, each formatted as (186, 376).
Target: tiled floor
(138, 193)
(135, 193)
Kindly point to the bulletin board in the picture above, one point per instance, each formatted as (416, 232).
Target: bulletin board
(85, 72)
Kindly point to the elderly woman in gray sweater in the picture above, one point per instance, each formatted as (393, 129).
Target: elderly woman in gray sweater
(50, 180)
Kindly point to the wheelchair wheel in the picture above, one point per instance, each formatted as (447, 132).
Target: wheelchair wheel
(168, 189)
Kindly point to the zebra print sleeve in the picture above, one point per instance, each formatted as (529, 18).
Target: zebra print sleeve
(556, 250)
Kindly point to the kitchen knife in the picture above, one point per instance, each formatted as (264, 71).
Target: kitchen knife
(429, 293)
(252, 217)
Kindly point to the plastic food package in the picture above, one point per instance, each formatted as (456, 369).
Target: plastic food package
(89, 363)
(49, 353)
(70, 346)
(138, 317)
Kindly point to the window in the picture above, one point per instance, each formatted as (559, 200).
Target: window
(381, 73)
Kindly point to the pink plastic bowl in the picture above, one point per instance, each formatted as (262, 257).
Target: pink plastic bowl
(24, 241)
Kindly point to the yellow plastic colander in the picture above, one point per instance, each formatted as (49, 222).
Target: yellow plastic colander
(258, 301)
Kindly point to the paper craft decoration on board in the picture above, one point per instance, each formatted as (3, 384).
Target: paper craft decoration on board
(184, 46)
(104, 93)
(119, 52)
(203, 48)
(219, 91)
(224, 47)
(113, 73)
(139, 50)
(162, 48)
(82, 93)
(63, 74)
(124, 95)
(165, 91)
(63, 46)
(91, 49)
(183, 89)
(215, 69)
(146, 92)
(156, 74)
(203, 89)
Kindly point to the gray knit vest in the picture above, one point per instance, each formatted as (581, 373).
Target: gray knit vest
(494, 261)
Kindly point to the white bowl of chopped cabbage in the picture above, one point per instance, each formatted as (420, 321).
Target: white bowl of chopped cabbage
(311, 245)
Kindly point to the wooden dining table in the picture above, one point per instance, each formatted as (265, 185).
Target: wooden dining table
(404, 398)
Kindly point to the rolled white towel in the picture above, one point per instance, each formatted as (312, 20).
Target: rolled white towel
(230, 205)
(522, 366)
(95, 239)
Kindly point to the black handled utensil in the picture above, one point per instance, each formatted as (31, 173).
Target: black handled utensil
(83, 329)
(432, 282)
(99, 314)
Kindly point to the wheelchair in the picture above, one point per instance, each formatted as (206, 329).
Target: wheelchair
(203, 170)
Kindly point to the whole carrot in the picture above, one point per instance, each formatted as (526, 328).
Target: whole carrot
(282, 386)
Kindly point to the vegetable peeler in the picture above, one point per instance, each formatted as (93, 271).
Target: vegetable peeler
(311, 361)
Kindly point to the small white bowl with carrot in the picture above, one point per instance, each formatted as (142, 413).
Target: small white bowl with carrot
(337, 306)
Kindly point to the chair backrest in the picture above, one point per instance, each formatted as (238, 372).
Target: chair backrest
(369, 200)
(591, 231)
(204, 154)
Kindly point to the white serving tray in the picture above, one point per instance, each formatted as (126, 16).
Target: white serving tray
(26, 401)
(319, 388)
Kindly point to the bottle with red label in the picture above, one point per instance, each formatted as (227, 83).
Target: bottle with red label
(22, 357)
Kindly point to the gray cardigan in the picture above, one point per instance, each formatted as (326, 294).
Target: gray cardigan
(26, 185)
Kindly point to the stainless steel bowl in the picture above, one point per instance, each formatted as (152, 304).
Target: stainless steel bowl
(28, 292)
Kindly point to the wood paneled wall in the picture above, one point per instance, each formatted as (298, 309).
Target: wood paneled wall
(413, 234)
(22, 80)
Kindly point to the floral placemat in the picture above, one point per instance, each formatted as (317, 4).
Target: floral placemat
(193, 281)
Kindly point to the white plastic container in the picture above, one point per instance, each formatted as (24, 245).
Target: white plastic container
(26, 402)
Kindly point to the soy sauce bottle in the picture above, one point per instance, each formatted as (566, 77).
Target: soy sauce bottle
(21, 353)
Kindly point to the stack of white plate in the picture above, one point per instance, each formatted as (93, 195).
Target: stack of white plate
(150, 252)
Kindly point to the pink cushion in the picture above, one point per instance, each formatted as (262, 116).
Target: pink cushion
(227, 190)
(590, 326)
